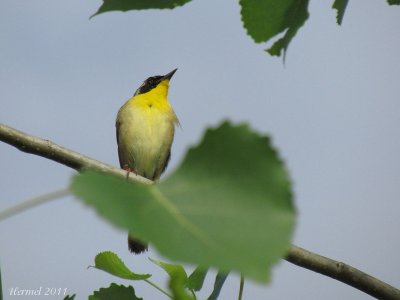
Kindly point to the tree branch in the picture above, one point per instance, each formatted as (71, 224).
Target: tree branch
(297, 256)
(342, 272)
(52, 151)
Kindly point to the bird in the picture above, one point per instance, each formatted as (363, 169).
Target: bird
(145, 128)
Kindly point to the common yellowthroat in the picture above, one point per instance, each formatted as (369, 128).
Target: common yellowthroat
(145, 131)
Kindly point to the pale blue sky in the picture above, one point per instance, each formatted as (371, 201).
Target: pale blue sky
(333, 111)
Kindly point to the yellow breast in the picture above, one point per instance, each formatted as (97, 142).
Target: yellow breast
(145, 129)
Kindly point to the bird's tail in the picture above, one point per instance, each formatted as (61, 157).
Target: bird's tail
(135, 245)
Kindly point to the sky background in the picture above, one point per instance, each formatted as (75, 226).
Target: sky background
(333, 111)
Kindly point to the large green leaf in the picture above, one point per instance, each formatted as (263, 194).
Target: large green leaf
(340, 6)
(229, 204)
(126, 5)
(111, 263)
(264, 19)
(115, 291)
(393, 2)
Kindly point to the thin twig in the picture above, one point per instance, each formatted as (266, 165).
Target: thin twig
(33, 202)
(343, 272)
(297, 256)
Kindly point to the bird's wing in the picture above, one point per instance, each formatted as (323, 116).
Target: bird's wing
(166, 162)
(117, 127)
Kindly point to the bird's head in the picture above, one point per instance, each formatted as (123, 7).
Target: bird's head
(159, 82)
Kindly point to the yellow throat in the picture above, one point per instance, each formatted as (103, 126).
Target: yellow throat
(145, 129)
(155, 98)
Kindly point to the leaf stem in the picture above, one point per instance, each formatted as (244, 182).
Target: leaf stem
(159, 288)
(194, 294)
(241, 287)
(33, 202)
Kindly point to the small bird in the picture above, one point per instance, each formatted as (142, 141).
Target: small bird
(145, 130)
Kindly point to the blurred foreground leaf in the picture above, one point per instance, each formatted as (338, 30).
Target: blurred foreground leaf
(126, 5)
(68, 297)
(115, 291)
(264, 19)
(111, 263)
(229, 204)
(394, 2)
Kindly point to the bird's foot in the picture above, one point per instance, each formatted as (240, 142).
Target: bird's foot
(129, 170)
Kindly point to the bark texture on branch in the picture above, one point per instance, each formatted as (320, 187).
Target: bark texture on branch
(52, 151)
(342, 272)
(298, 256)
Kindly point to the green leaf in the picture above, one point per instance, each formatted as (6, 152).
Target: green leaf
(68, 297)
(394, 2)
(171, 269)
(177, 286)
(219, 282)
(111, 263)
(124, 5)
(196, 279)
(229, 204)
(115, 291)
(340, 6)
(295, 18)
(178, 278)
(264, 19)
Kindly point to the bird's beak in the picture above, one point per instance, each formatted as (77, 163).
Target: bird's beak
(169, 75)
